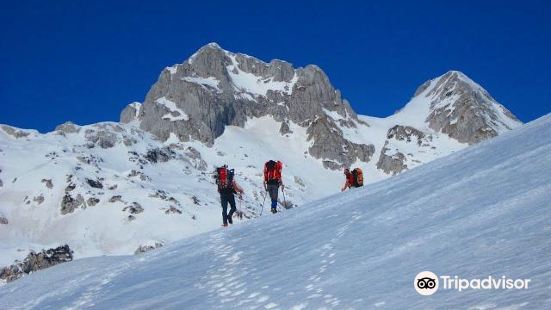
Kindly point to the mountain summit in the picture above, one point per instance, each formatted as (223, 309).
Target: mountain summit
(463, 109)
(216, 88)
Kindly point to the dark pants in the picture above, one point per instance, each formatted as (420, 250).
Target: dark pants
(273, 190)
(224, 200)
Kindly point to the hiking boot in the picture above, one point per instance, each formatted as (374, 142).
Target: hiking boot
(274, 210)
(230, 220)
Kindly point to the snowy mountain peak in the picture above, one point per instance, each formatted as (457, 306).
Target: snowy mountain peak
(215, 88)
(213, 45)
(461, 108)
(455, 81)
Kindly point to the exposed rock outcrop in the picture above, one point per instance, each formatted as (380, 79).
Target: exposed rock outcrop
(95, 183)
(69, 204)
(405, 133)
(92, 201)
(284, 128)
(148, 247)
(37, 261)
(160, 155)
(173, 210)
(130, 112)
(48, 182)
(102, 138)
(67, 128)
(195, 158)
(14, 132)
(39, 199)
(391, 159)
(329, 143)
(393, 163)
(135, 208)
(116, 198)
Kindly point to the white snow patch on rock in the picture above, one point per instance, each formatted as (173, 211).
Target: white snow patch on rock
(256, 85)
(171, 106)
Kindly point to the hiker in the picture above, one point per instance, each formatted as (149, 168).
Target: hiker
(354, 178)
(272, 181)
(227, 187)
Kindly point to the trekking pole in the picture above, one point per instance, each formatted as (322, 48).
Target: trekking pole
(284, 201)
(240, 214)
(263, 201)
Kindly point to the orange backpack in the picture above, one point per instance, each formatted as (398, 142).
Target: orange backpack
(358, 175)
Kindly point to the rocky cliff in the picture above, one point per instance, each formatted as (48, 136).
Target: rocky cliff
(215, 88)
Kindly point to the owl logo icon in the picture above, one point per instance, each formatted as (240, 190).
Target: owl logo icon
(426, 283)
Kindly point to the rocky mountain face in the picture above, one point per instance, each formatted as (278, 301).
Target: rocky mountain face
(465, 111)
(396, 163)
(215, 88)
(445, 113)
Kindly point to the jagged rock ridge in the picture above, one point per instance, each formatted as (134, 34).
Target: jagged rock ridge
(216, 88)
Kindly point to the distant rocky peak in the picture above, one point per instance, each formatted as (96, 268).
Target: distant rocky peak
(455, 83)
(463, 109)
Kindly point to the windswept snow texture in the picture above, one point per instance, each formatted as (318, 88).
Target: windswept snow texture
(479, 212)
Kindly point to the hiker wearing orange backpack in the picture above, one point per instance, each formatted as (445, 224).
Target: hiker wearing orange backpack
(354, 178)
(227, 187)
(272, 181)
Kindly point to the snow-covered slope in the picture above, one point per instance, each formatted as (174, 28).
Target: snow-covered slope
(108, 188)
(102, 189)
(480, 212)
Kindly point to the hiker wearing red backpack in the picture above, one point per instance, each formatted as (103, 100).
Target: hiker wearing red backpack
(227, 187)
(354, 178)
(272, 181)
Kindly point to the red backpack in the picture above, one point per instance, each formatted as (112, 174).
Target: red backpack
(272, 171)
(224, 177)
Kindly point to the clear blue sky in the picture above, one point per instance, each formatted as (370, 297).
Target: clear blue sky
(85, 60)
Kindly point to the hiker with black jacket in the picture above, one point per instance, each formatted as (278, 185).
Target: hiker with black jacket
(227, 187)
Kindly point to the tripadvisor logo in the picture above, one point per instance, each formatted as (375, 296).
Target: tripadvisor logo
(427, 283)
